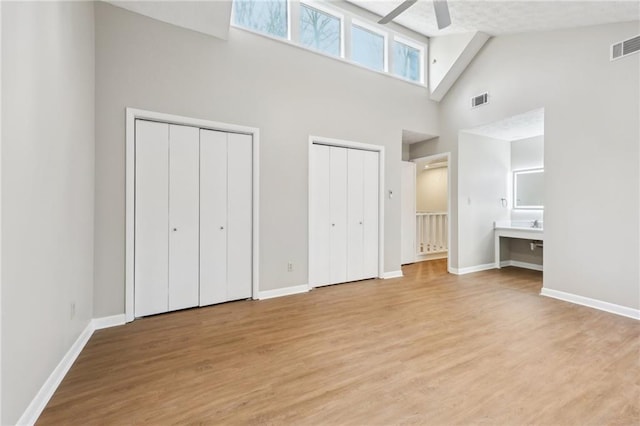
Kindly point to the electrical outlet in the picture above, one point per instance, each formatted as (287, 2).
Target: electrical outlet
(73, 310)
(290, 266)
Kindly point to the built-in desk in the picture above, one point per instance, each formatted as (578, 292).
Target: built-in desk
(515, 229)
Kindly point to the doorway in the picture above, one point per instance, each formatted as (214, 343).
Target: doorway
(425, 208)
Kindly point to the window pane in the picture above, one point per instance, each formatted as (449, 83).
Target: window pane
(319, 30)
(406, 61)
(267, 16)
(367, 48)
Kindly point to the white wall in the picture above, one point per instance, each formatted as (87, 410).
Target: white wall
(431, 190)
(484, 170)
(287, 92)
(47, 190)
(592, 123)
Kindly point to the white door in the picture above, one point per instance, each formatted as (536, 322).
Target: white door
(239, 216)
(338, 215)
(370, 219)
(184, 229)
(319, 216)
(408, 212)
(151, 218)
(355, 214)
(226, 216)
(213, 211)
(343, 215)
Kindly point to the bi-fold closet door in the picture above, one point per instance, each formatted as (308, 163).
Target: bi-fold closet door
(193, 217)
(344, 212)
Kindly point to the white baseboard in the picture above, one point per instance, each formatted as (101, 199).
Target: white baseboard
(470, 269)
(106, 322)
(40, 401)
(592, 303)
(519, 264)
(392, 274)
(280, 292)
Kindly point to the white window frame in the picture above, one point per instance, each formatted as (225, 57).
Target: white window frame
(262, 33)
(414, 45)
(329, 11)
(385, 47)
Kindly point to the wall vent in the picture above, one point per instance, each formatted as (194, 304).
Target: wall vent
(476, 101)
(625, 48)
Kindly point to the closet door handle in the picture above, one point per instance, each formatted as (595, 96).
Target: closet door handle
(221, 228)
(333, 224)
(175, 229)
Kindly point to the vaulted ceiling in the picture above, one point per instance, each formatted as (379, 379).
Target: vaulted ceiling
(506, 17)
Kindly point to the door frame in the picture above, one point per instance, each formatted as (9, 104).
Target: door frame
(131, 115)
(443, 156)
(321, 140)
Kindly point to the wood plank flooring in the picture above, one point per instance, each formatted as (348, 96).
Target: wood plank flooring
(429, 348)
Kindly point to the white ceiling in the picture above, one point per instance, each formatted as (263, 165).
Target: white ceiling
(507, 17)
(514, 128)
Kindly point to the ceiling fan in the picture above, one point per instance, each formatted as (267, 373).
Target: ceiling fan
(440, 6)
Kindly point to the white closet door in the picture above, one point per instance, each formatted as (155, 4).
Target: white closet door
(320, 216)
(371, 194)
(213, 214)
(355, 204)
(184, 229)
(239, 216)
(338, 214)
(151, 218)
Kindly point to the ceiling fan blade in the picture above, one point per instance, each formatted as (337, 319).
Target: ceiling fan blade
(397, 11)
(442, 13)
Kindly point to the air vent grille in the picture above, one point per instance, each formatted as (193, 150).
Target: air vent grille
(482, 99)
(626, 47)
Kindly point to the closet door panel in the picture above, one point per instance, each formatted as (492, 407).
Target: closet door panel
(213, 217)
(371, 194)
(184, 229)
(239, 214)
(355, 200)
(338, 212)
(151, 218)
(320, 214)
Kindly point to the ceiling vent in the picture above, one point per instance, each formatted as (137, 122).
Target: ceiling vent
(476, 101)
(625, 48)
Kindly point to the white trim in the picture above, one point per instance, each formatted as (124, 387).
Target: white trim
(591, 303)
(518, 264)
(40, 401)
(131, 115)
(108, 322)
(392, 274)
(0, 212)
(286, 291)
(471, 269)
(381, 192)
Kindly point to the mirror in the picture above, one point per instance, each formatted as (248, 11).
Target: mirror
(528, 189)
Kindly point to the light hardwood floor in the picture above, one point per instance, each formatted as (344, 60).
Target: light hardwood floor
(430, 348)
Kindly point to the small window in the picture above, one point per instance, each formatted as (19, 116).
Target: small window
(319, 30)
(367, 48)
(265, 16)
(406, 61)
